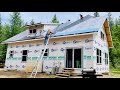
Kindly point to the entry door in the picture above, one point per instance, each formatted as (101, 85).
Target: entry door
(69, 58)
(77, 58)
(73, 58)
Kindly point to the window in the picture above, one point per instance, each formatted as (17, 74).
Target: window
(34, 30)
(24, 55)
(102, 35)
(46, 52)
(99, 58)
(106, 59)
(11, 54)
(31, 31)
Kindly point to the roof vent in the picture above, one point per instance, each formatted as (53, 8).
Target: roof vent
(69, 20)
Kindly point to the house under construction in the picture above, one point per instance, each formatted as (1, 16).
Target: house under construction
(83, 43)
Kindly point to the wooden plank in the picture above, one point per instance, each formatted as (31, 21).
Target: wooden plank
(64, 75)
(67, 73)
(60, 77)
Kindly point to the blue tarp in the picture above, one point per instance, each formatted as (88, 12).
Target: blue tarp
(76, 32)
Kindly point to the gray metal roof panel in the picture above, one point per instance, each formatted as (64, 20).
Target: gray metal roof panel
(89, 25)
(75, 23)
(17, 37)
(93, 23)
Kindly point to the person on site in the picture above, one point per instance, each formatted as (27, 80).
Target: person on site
(47, 36)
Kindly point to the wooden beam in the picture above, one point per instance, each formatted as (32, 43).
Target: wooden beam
(106, 27)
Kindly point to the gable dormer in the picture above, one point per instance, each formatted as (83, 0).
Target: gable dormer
(35, 30)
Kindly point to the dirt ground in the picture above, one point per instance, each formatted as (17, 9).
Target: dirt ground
(22, 74)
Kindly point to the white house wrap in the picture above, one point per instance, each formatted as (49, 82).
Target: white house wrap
(81, 44)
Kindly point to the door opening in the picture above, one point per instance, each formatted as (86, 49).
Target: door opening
(73, 58)
(69, 56)
(77, 58)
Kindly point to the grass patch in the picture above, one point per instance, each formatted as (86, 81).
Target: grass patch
(115, 73)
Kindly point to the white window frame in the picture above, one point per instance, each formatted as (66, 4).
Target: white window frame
(102, 36)
(11, 53)
(106, 59)
(99, 61)
(24, 55)
(32, 31)
(47, 51)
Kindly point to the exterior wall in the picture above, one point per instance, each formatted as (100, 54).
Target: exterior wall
(57, 52)
(43, 27)
(49, 26)
(103, 46)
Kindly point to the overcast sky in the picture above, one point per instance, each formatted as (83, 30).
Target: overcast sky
(47, 16)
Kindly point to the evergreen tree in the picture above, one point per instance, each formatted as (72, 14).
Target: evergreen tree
(111, 24)
(0, 39)
(5, 35)
(16, 24)
(0, 23)
(115, 52)
(26, 23)
(54, 20)
(32, 22)
(96, 14)
(110, 20)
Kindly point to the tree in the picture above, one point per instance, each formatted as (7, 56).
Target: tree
(0, 27)
(110, 20)
(0, 38)
(54, 20)
(6, 31)
(5, 35)
(16, 24)
(32, 22)
(111, 23)
(26, 23)
(0, 22)
(96, 14)
(115, 52)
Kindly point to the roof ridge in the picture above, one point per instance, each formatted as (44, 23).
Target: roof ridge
(76, 22)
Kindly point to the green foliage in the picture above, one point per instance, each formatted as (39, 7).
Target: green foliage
(16, 24)
(8, 30)
(54, 20)
(110, 20)
(115, 52)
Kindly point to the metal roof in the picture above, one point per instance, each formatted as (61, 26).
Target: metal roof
(17, 37)
(70, 24)
(87, 25)
(77, 31)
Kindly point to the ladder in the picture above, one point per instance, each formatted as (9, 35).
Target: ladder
(35, 68)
